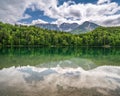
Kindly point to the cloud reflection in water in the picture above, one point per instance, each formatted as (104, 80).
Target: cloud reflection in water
(57, 81)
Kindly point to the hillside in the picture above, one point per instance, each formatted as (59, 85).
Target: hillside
(85, 27)
(22, 36)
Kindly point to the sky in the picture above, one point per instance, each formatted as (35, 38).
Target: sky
(102, 12)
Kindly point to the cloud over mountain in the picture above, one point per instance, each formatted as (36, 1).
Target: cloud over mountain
(103, 12)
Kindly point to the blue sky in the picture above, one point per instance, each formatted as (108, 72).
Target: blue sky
(102, 12)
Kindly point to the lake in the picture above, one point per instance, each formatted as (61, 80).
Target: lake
(79, 71)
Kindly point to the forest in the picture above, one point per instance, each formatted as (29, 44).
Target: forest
(23, 36)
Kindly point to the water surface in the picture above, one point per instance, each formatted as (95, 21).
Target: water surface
(87, 58)
(60, 72)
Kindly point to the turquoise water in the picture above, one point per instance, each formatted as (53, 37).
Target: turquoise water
(60, 71)
(86, 58)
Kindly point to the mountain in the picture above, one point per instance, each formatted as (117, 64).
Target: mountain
(70, 27)
(85, 27)
(48, 26)
(67, 27)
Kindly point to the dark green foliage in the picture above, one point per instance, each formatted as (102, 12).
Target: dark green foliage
(19, 35)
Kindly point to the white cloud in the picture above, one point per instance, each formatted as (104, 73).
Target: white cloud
(98, 13)
(12, 10)
(103, 1)
(107, 20)
(81, 12)
(38, 21)
(103, 11)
